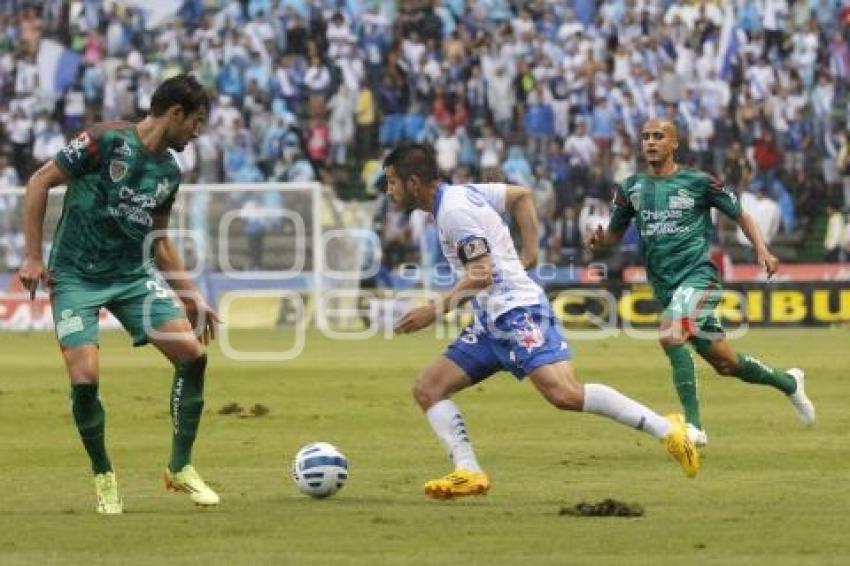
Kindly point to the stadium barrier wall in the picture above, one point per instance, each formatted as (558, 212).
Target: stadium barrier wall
(614, 305)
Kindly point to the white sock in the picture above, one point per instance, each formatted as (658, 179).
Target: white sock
(606, 401)
(450, 428)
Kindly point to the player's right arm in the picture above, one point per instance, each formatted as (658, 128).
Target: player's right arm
(622, 214)
(80, 156)
(32, 268)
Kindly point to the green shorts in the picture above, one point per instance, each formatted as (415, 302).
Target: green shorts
(694, 305)
(141, 305)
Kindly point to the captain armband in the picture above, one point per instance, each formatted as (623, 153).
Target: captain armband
(473, 248)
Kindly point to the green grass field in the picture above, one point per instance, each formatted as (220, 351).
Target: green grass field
(770, 492)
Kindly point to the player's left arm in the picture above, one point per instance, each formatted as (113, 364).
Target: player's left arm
(168, 261)
(478, 275)
(519, 201)
(763, 256)
(724, 199)
(473, 250)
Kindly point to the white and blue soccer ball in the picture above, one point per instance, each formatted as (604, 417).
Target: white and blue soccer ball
(320, 469)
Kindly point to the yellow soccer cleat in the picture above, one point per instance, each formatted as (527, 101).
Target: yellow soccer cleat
(108, 499)
(459, 483)
(188, 481)
(680, 446)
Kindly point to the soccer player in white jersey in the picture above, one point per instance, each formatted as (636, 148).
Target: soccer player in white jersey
(514, 327)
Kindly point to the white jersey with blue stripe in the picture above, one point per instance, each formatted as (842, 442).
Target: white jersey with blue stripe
(466, 213)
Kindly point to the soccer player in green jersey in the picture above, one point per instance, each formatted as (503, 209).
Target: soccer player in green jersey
(111, 250)
(671, 205)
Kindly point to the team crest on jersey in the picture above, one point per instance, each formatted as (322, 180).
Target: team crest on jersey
(124, 149)
(117, 170)
(528, 334)
(681, 201)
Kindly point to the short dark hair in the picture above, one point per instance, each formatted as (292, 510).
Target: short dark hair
(184, 90)
(413, 159)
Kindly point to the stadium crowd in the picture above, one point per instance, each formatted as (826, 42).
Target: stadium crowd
(550, 94)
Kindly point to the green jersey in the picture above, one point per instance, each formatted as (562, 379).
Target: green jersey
(673, 217)
(115, 188)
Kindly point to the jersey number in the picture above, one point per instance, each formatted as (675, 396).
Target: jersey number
(156, 287)
(682, 298)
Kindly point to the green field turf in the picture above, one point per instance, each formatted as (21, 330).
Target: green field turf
(770, 492)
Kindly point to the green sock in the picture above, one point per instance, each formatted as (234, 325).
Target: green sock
(91, 422)
(685, 379)
(187, 404)
(752, 370)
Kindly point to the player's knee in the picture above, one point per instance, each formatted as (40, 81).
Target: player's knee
(195, 355)
(567, 397)
(423, 392)
(196, 352)
(83, 376)
(429, 389)
(671, 340)
(82, 373)
(724, 366)
(194, 366)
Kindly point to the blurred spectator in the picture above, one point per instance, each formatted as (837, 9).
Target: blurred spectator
(317, 76)
(539, 121)
(341, 106)
(447, 147)
(832, 241)
(765, 211)
(567, 82)
(48, 140)
(581, 148)
(734, 163)
(11, 237)
(490, 147)
(702, 137)
(501, 100)
(544, 202)
(254, 226)
(516, 168)
(318, 140)
(567, 242)
(767, 157)
(797, 140)
(20, 132)
(365, 122)
(625, 164)
(392, 226)
(843, 165)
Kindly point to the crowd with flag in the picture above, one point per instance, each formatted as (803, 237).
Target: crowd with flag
(545, 93)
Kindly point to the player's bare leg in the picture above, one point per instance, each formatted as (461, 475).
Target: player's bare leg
(82, 364)
(558, 385)
(177, 341)
(720, 354)
(673, 337)
(432, 389)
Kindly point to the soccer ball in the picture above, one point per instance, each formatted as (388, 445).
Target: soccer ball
(319, 469)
